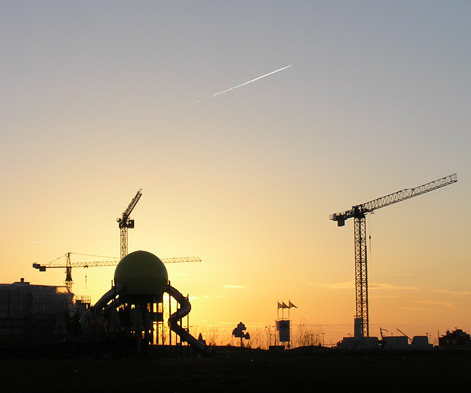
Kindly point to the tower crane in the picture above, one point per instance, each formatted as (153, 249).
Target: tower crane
(69, 264)
(125, 222)
(358, 213)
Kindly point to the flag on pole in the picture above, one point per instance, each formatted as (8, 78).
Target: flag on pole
(284, 305)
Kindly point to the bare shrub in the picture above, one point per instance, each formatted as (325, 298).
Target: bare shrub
(305, 335)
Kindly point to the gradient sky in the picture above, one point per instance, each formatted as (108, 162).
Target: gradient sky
(100, 99)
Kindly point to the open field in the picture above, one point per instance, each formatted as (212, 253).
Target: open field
(234, 370)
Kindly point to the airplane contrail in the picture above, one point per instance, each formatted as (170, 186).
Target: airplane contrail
(244, 84)
(251, 81)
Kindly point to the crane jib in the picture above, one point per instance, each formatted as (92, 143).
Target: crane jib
(133, 204)
(361, 209)
(408, 193)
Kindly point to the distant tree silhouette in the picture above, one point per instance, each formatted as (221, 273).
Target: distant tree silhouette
(239, 333)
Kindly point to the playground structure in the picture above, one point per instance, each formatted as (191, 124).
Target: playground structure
(133, 307)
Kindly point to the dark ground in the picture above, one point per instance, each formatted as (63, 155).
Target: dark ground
(234, 370)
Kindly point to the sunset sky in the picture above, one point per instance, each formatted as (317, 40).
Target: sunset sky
(102, 98)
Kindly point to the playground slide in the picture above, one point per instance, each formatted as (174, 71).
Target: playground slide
(185, 308)
(101, 304)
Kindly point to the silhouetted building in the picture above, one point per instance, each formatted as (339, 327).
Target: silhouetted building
(455, 339)
(395, 342)
(355, 343)
(33, 311)
(421, 342)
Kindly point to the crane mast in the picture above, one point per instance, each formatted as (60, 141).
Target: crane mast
(358, 213)
(125, 222)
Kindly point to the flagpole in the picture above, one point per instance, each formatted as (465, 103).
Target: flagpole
(277, 318)
(289, 318)
(290, 305)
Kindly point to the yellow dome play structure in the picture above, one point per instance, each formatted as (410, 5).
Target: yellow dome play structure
(133, 307)
(142, 273)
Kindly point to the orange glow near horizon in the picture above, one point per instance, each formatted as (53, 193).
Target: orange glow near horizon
(376, 100)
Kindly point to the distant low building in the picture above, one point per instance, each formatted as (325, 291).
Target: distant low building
(421, 342)
(386, 342)
(395, 342)
(356, 343)
(455, 339)
(402, 342)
